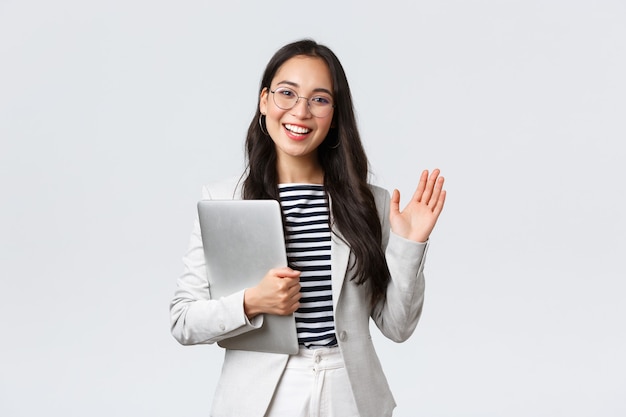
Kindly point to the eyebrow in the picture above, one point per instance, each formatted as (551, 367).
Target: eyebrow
(315, 90)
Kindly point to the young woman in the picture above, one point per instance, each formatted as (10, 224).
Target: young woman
(353, 254)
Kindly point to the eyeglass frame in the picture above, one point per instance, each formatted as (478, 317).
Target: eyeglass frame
(298, 97)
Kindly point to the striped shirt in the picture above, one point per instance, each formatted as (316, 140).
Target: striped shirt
(307, 239)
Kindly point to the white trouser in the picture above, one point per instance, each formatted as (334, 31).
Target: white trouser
(314, 384)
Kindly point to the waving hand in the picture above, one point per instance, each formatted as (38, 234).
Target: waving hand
(420, 215)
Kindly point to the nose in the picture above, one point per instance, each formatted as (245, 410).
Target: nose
(301, 109)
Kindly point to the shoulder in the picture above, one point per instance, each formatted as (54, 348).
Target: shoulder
(381, 199)
(381, 195)
(225, 189)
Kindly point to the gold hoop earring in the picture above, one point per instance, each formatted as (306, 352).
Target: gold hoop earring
(264, 131)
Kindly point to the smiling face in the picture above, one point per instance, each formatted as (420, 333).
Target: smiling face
(296, 133)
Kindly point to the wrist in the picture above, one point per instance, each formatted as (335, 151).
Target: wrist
(249, 306)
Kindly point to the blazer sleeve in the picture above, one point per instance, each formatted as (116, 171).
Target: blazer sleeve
(398, 314)
(195, 317)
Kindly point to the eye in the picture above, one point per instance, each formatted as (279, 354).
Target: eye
(321, 101)
(285, 92)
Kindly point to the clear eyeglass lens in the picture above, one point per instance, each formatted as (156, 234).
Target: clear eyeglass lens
(286, 98)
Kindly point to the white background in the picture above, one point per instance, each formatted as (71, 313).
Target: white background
(114, 113)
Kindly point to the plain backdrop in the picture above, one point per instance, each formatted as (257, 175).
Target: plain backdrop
(113, 114)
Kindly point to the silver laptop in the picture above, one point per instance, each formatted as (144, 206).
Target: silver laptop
(243, 239)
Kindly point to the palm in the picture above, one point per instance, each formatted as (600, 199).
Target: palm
(420, 215)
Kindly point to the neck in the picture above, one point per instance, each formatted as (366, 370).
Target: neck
(296, 170)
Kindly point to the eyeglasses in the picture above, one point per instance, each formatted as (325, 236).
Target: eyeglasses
(320, 105)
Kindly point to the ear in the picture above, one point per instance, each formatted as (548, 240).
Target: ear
(263, 100)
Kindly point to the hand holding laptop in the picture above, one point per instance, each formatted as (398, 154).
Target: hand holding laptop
(277, 293)
(243, 240)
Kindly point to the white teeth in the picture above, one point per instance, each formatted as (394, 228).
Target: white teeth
(297, 129)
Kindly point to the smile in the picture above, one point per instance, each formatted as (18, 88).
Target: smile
(297, 129)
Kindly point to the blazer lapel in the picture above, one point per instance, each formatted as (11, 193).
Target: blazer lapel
(339, 258)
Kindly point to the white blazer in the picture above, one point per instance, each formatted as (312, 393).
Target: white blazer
(248, 379)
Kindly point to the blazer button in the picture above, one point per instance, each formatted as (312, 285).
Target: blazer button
(343, 336)
(222, 327)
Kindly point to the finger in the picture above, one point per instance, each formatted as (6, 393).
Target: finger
(293, 284)
(287, 307)
(292, 303)
(394, 203)
(289, 286)
(430, 185)
(421, 186)
(294, 292)
(440, 202)
(436, 193)
(295, 306)
(286, 272)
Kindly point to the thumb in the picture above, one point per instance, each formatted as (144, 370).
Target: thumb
(394, 203)
(289, 273)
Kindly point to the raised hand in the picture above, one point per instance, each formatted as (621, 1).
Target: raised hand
(277, 293)
(420, 215)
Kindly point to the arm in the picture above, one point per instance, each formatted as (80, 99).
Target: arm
(196, 318)
(405, 235)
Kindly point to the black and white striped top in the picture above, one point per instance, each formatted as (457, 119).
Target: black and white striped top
(307, 239)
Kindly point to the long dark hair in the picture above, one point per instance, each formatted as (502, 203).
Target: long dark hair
(345, 166)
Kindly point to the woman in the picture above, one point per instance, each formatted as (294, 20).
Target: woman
(352, 254)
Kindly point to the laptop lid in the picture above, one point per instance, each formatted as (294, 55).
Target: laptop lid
(243, 239)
